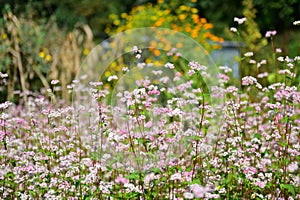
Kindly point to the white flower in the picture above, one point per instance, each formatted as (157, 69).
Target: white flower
(293, 167)
(135, 49)
(296, 22)
(239, 20)
(138, 56)
(281, 59)
(176, 176)
(110, 78)
(248, 54)
(169, 65)
(225, 69)
(3, 75)
(290, 65)
(95, 84)
(188, 195)
(54, 82)
(232, 29)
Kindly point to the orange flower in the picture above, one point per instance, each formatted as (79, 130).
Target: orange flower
(208, 26)
(195, 18)
(203, 21)
(159, 22)
(156, 52)
(188, 29)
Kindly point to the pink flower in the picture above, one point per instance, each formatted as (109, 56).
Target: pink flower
(121, 179)
(261, 184)
(198, 190)
(196, 66)
(270, 33)
(191, 72)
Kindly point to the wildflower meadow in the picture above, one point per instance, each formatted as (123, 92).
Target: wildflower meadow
(172, 125)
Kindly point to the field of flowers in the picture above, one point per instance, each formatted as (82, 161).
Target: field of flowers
(158, 140)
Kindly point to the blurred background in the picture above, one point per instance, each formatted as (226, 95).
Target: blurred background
(46, 40)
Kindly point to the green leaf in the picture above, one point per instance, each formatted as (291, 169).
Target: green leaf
(257, 135)
(134, 176)
(289, 187)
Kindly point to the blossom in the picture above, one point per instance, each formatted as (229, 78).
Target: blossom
(293, 167)
(196, 66)
(198, 190)
(239, 20)
(248, 80)
(188, 195)
(296, 22)
(138, 56)
(110, 78)
(3, 75)
(54, 82)
(176, 176)
(248, 54)
(95, 84)
(135, 49)
(225, 69)
(169, 65)
(125, 69)
(191, 72)
(122, 180)
(233, 29)
(280, 58)
(271, 33)
(261, 184)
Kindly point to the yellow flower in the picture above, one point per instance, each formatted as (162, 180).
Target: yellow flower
(42, 54)
(116, 22)
(107, 74)
(124, 15)
(183, 7)
(194, 10)
(48, 57)
(166, 12)
(114, 64)
(182, 17)
(193, 1)
(148, 60)
(86, 52)
(4, 36)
